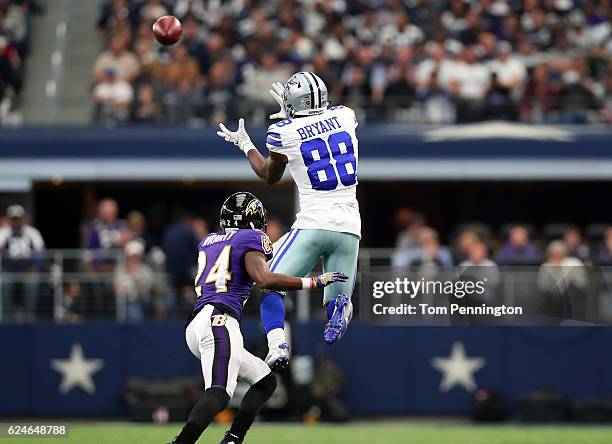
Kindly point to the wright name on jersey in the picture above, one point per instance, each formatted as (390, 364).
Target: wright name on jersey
(222, 279)
(323, 153)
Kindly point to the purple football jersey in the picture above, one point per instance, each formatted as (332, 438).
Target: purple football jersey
(222, 277)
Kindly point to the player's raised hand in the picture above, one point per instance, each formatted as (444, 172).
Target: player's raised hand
(277, 93)
(328, 278)
(239, 137)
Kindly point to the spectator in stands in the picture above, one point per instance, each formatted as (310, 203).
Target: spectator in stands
(364, 79)
(509, 75)
(119, 58)
(466, 239)
(518, 249)
(193, 41)
(428, 252)
(253, 87)
(401, 32)
(15, 25)
(605, 110)
(470, 81)
(151, 10)
(152, 70)
(22, 250)
(408, 223)
(563, 279)
(437, 104)
(479, 266)
(539, 98)
(434, 62)
(200, 228)
(105, 234)
(180, 245)
(145, 108)
(117, 13)
(197, 10)
(576, 96)
(479, 50)
(183, 103)
(575, 245)
(399, 92)
(112, 97)
(604, 251)
(10, 75)
(218, 94)
(133, 283)
(182, 67)
(137, 229)
(74, 306)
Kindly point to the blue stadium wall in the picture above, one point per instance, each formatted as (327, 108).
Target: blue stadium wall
(490, 150)
(389, 370)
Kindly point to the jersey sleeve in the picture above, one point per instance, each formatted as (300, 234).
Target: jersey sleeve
(350, 115)
(274, 139)
(257, 240)
(282, 138)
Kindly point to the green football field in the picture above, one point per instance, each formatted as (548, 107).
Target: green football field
(381, 433)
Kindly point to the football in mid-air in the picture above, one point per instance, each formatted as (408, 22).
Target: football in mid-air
(168, 30)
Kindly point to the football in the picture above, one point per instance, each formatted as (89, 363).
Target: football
(168, 30)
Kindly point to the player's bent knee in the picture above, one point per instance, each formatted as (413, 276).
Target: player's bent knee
(218, 395)
(267, 384)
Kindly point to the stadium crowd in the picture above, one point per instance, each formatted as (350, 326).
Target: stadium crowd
(125, 271)
(15, 31)
(437, 61)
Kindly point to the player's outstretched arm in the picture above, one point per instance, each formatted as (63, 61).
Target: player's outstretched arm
(257, 267)
(270, 169)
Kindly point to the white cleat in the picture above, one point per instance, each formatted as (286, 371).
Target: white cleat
(278, 357)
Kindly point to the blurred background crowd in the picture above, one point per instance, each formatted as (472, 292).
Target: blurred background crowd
(436, 61)
(15, 33)
(125, 270)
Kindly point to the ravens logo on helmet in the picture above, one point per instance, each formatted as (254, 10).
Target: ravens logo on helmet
(243, 210)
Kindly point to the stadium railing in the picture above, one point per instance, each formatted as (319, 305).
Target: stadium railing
(75, 285)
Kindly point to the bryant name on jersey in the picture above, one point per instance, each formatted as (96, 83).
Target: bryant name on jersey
(322, 152)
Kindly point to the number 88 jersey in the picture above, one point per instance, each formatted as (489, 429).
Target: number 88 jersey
(322, 152)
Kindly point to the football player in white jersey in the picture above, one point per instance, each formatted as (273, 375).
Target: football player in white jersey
(319, 145)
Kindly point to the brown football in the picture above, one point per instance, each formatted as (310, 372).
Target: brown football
(168, 30)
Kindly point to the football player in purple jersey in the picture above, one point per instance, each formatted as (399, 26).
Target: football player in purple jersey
(229, 262)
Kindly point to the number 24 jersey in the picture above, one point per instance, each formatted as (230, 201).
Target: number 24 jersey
(222, 278)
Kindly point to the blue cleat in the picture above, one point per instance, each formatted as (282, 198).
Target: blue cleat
(339, 321)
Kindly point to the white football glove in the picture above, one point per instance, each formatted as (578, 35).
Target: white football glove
(238, 137)
(277, 93)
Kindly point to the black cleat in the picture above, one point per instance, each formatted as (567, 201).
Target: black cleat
(230, 439)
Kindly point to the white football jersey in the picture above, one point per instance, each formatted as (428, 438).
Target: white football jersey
(323, 154)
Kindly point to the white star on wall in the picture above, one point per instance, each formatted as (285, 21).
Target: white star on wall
(458, 369)
(77, 371)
